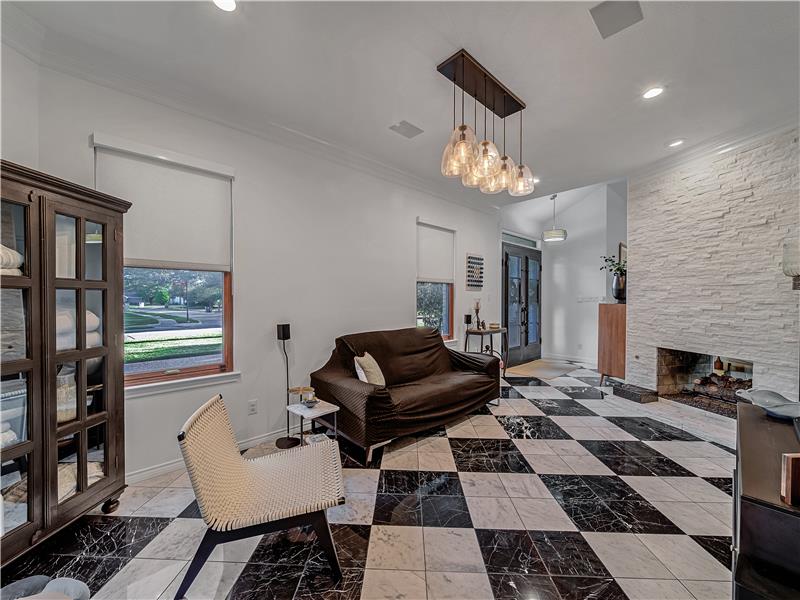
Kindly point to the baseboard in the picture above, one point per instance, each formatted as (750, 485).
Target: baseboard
(134, 477)
(580, 359)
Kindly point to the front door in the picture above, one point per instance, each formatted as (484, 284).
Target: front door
(521, 303)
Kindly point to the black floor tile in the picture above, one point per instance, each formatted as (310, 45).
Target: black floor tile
(398, 482)
(717, 546)
(645, 428)
(433, 432)
(590, 514)
(646, 466)
(509, 392)
(95, 571)
(397, 509)
(724, 447)
(562, 408)
(625, 465)
(317, 584)
(664, 467)
(593, 381)
(620, 448)
(582, 392)
(723, 483)
(607, 487)
(588, 588)
(568, 487)
(532, 428)
(351, 543)
(514, 586)
(483, 410)
(568, 553)
(433, 483)
(507, 551)
(289, 548)
(640, 516)
(259, 583)
(191, 512)
(445, 511)
(525, 381)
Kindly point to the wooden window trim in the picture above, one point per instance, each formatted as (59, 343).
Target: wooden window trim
(225, 366)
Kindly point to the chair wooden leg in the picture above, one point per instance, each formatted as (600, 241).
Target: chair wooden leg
(320, 523)
(207, 546)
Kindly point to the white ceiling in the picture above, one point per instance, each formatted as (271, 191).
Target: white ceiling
(345, 72)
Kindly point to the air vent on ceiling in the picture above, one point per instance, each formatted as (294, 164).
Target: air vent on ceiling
(612, 17)
(406, 129)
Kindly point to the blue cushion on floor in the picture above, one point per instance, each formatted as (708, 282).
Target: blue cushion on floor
(24, 587)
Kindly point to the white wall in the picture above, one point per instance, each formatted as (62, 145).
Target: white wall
(19, 117)
(572, 283)
(324, 247)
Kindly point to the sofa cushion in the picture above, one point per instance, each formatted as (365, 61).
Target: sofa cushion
(404, 355)
(438, 396)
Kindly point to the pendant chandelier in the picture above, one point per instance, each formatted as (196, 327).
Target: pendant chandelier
(481, 165)
(556, 234)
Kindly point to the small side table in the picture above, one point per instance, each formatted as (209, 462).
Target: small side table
(503, 331)
(320, 409)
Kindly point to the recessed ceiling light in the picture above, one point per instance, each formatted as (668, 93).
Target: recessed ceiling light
(536, 180)
(226, 5)
(653, 92)
(675, 143)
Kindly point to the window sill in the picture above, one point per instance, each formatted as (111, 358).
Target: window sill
(177, 385)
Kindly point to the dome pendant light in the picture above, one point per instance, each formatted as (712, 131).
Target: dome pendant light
(522, 183)
(463, 138)
(488, 162)
(505, 178)
(450, 167)
(494, 184)
(470, 178)
(556, 234)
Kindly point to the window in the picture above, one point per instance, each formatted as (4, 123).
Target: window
(435, 306)
(435, 267)
(177, 323)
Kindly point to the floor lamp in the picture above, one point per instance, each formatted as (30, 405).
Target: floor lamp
(288, 441)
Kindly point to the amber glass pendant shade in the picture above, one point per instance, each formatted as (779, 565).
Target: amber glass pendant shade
(505, 178)
(450, 168)
(522, 183)
(488, 161)
(464, 145)
(471, 179)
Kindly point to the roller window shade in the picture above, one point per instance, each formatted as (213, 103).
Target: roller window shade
(180, 218)
(435, 254)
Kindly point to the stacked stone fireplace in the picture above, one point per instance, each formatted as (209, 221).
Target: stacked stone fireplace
(679, 372)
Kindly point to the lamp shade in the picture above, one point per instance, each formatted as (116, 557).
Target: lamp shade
(283, 331)
(467, 319)
(522, 185)
(554, 235)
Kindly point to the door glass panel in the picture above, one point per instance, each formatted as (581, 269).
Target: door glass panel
(93, 251)
(66, 319)
(95, 385)
(13, 320)
(66, 393)
(12, 237)
(13, 409)
(96, 456)
(65, 247)
(533, 302)
(94, 318)
(68, 466)
(15, 493)
(514, 284)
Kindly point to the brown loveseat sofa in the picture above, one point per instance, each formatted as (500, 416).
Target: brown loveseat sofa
(427, 384)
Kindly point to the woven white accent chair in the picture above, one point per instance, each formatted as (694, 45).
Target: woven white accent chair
(241, 498)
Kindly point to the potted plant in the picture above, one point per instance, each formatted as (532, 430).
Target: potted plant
(619, 269)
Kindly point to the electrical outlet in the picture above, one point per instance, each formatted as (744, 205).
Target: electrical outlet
(252, 407)
(580, 346)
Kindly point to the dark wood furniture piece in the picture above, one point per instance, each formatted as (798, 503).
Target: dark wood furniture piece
(502, 331)
(61, 400)
(611, 341)
(766, 534)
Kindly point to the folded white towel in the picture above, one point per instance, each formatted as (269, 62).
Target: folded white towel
(8, 272)
(66, 341)
(65, 321)
(10, 259)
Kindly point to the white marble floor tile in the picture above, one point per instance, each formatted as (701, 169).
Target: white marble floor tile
(685, 558)
(624, 555)
(703, 467)
(524, 408)
(483, 421)
(709, 590)
(726, 462)
(524, 485)
(548, 465)
(654, 589)
(495, 432)
(655, 489)
(587, 465)
(563, 448)
(493, 513)
(162, 480)
(141, 579)
(451, 549)
(486, 485)
(720, 510)
(697, 490)
(436, 461)
(182, 482)
(534, 447)
(692, 519)
(400, 461)
(682, 449)
(131, 500)
(583, 433)
(458, 586)
(393, 585)
(361, 481)
(542, 393)
(433, 444)
(614, 433)
(180, 539)
(583, 373)
(358, 509)
(392, 547)
(462, 431)
(503, 409)
(213, 581)
(566, 382)
(543, 514)
(169, 502)
(402, 444)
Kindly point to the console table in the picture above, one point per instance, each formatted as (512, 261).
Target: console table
(503, 331)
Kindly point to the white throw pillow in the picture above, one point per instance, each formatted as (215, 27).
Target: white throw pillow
(360, 372)
(372, 372)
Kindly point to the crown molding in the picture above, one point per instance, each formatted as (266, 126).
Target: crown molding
(718, 145)
(27, 36)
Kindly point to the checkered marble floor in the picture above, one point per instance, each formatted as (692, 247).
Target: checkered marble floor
(559, 491)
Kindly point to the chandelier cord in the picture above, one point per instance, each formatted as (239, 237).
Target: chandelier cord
(454, 102)
(463, 85)
(484, 108)
(504, 126)
(520, 136)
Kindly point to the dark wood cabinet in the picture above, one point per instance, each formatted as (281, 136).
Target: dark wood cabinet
(611, 341)
(61, 392)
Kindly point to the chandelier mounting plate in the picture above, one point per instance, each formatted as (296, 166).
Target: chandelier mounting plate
(468, 74)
